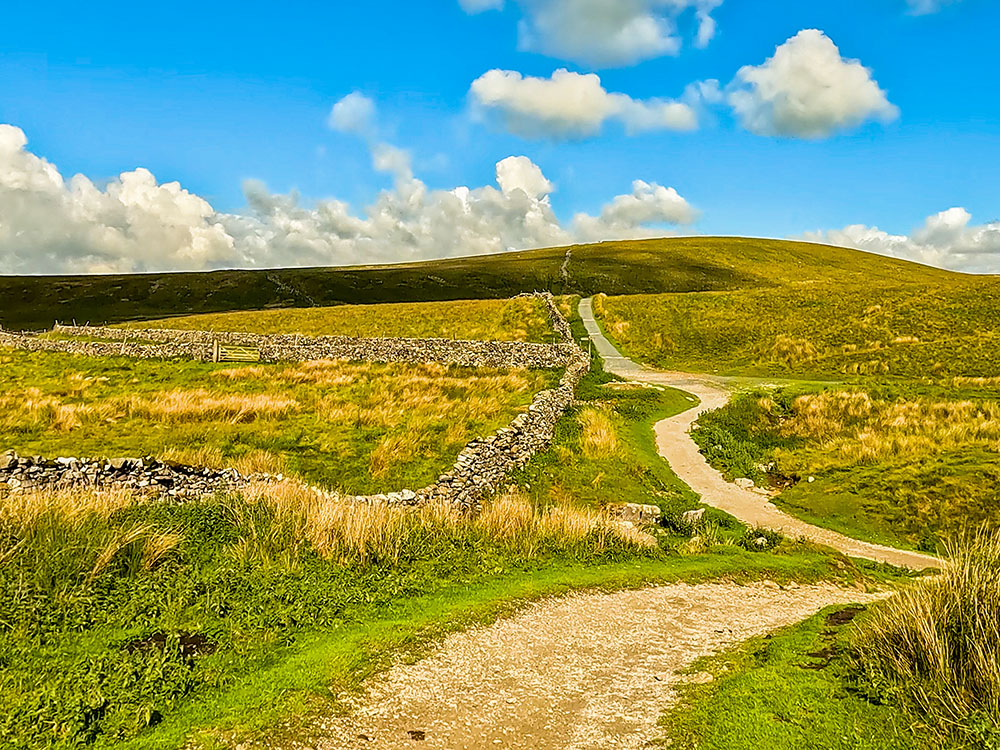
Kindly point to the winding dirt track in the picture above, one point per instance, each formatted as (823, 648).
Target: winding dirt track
(583, 672)
(593, 671)
(675, 445)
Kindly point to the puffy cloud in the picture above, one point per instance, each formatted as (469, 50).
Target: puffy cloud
(630, 215)
(608, 33)
(133, 224)
(355, 113)
(605, 33)
(572, 105)
(49, 225)
(808, 90)
(945, 239)
(520, 173)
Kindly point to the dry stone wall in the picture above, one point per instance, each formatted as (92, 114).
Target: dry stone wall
(481, 468)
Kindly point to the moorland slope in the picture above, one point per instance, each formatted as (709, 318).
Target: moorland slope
(680, 264)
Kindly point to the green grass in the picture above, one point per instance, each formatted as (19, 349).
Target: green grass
(296, 631)
(904, 464)
(356, 427)
(689, 264)
(521, 319)
(846, 326)
(794, 690)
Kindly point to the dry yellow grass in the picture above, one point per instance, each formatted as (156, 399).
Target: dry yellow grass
(363, 532)
(24, 508)
(598, 438)
(937, 642)
(851, 427)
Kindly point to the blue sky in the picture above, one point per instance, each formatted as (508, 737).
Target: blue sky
(211, 95)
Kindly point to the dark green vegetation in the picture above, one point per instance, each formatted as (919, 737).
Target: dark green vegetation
(907, 465)
(356, 427)
(695, 264)
(521, 319)
(794, 690)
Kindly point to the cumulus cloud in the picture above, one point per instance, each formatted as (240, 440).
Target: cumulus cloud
(807, 89)
(946, 239)
(606, 33)
(355, 113)
(631, 215)
(520, 173)
(50, 225)
(568, 105)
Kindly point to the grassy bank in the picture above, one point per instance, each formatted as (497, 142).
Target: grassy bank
(521, 319)
(793, 690)
(355, 427)
(907, 465)
(833, 328)
(918, 670)
(678, 264)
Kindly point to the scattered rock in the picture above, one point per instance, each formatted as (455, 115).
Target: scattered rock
(744, 483)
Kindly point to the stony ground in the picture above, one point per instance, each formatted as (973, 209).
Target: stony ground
(584, 672)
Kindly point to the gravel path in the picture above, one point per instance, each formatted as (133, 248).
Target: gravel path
(583, 672)
(675, 445)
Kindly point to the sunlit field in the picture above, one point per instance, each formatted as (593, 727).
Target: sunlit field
(521, 319)
(875, 329)
(354, 427)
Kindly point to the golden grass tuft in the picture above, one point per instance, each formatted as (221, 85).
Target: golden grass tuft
(599, 438)
(936, 644)
(792, 351)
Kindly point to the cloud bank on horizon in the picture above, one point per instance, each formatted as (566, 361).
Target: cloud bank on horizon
(51, 224)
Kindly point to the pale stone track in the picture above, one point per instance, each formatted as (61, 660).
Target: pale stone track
(676, 446)
(584, 672)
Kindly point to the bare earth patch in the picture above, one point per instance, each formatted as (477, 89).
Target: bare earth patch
(586, 671)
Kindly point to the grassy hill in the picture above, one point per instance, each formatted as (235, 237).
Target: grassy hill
(616, 268)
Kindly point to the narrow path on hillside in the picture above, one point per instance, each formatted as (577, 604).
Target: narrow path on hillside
(675, 444)
(583, 672)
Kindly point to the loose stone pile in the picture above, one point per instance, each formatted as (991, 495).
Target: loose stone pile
(480, 470)
(146, 475)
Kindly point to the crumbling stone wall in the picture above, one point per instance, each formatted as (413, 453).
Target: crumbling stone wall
(479, 471)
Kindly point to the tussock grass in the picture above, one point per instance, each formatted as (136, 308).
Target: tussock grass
(936, 645)
(368, 533)
(826, 328)
(358, 428)
(598, 437)
(851, 427)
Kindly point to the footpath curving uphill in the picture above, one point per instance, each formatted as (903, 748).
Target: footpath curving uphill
(676, 446)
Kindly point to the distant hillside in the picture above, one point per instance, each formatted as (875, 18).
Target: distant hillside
(616, 268)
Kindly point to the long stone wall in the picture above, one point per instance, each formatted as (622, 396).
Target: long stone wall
(480, 470)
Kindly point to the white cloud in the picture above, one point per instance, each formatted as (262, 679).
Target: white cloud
(630, 215)
(50, 225)
(355, 113)
(520, 173)
(572, 105)
(945, 239)
(605, 33)
(808, 90)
